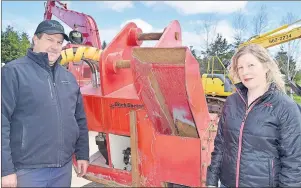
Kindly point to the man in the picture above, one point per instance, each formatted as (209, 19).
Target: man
(43, 118)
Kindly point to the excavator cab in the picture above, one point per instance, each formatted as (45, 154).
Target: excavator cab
(76, 37)
(216, 81)
(217, 84)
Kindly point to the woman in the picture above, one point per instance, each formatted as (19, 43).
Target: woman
(258, 142)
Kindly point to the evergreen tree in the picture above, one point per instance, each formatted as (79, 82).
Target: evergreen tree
(104, 45)
(221, 48)
(13, 44)
(282, 59)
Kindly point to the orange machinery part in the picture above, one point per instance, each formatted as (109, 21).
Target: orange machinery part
(159, 86)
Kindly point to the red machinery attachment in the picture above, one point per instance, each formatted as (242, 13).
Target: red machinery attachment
(150, 112)
(176, 117)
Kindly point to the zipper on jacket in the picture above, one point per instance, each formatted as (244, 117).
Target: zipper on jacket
(272, 173)
(50, 88)
(248, 109)
(58, 107)
(60, 130)
(23, 138)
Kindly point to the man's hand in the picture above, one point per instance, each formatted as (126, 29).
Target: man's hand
(82, 166)
(9, 180)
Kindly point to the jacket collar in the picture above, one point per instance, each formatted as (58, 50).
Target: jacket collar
(40, 58)
(243, 90)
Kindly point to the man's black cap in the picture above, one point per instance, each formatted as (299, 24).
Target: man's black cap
(51, 27)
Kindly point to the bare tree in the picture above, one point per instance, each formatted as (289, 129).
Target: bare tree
(260, 20)
(292, 47)
(207, 32)
(240, 26)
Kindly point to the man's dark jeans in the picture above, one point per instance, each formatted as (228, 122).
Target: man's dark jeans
(45, 177)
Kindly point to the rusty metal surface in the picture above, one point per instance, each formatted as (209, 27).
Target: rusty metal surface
(160, 55)
(149, 36)
(186, 130)
(104, 182)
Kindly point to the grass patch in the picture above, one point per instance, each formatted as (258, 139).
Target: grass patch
(297, 99)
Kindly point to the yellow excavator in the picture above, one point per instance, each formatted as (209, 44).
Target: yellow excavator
(216, 81)
(217, 84)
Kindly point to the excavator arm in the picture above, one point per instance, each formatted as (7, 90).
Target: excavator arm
(77, 21)
(276, 37)
(84, 41)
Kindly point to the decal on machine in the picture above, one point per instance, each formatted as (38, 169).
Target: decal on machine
(126, 105)
(280, 38)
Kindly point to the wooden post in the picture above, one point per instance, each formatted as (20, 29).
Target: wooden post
(134, 150)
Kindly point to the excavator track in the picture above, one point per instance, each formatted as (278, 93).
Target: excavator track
(215, 104)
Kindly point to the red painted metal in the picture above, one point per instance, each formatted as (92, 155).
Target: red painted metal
(78, 21)
(119, 49)
(163, 157)
(172, 158)
(115, 175)
(172, 36)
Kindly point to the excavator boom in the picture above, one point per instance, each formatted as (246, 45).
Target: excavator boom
(274, 38)
(77, 21)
